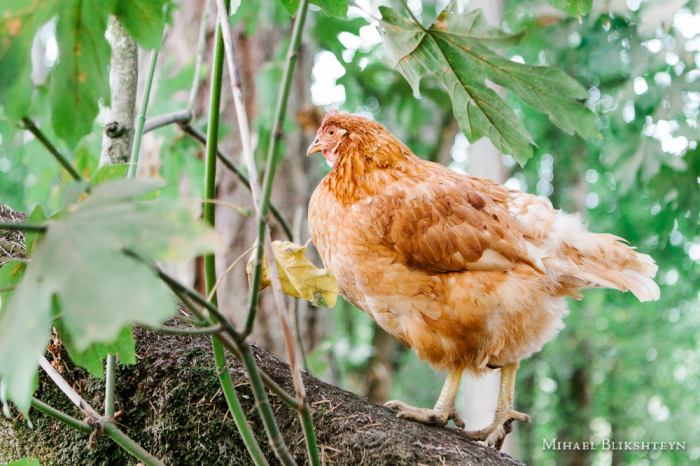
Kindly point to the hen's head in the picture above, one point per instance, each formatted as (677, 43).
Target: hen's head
(343, 136)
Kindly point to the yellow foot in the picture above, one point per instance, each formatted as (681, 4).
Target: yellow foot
(434, 417)
(495, 434)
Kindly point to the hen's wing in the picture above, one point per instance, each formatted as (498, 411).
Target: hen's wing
(443, 222)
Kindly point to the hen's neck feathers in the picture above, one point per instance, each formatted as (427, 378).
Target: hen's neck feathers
(368, 159)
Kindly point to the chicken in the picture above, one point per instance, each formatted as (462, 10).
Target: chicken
(469, 274)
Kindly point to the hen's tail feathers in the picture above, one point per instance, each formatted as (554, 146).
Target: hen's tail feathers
(609, 263)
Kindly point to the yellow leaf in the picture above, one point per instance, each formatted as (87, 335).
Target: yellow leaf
(299, 276)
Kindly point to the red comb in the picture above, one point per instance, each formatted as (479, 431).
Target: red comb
(330, 113)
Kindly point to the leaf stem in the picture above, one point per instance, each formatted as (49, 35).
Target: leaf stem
(61, 416)
(190, 331)
(413, 17)
(38, 227)
(129, 445)
(41, 137)
(141, 118)
(110, 383)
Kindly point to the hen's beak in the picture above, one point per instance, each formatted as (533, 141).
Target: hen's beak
(314, 147)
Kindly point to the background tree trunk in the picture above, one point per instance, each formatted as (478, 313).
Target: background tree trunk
(118, 137)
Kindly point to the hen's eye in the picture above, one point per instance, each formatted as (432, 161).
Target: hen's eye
(331, 132)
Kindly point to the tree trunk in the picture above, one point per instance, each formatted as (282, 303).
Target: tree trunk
(118, 137)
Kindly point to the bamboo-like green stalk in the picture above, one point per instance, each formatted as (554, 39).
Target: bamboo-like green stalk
(264, 407)
(209, 215)
(41, 137)
(61, 416)
(141, 118)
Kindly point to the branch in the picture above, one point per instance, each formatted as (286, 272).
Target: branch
(32, 128)
(181, 117)
(60, 416)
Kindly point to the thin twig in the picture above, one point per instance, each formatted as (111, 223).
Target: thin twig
(232, 345)
(196, 297)
(13, 247)
(181, 117)
(261, 201)
(61, 416)
(228, 269)
(141, 118)
(23, 227)
(199, 136)
(32, 128)
(190, 331)
(68, 390)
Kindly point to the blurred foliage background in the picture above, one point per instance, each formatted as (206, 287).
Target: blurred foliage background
(620, 370)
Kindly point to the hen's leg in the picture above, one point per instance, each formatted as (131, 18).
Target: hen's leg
(495, 434)
(444, 409)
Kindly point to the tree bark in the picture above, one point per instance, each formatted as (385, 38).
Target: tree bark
(118, 134)
(171, 404)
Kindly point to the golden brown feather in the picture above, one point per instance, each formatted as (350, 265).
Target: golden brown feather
(466, 272)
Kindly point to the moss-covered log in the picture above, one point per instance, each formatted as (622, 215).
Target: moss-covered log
(170, 403)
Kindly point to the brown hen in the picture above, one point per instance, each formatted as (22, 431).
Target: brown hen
(469, 274)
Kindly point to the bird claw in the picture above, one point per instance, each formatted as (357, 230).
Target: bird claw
(495, 434)
(433, 417)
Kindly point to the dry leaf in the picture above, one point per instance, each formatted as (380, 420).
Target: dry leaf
(299, 276)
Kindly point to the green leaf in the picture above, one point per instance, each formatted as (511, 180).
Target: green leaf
(26, 462)
(37, 216)
(575, 8)
(143, 19)
(10, 275)
(330, 7)
(91, 358)
(20, 21)
(81, 76)
(108, 173)
(81, 265)
(460, 50)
